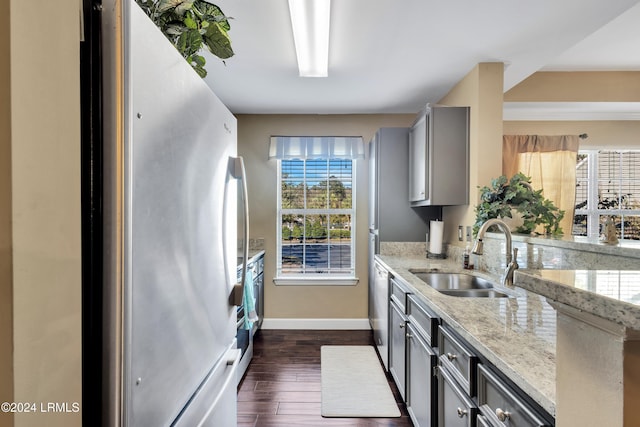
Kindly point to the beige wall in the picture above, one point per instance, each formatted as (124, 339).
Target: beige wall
(307, 302)
(598, 86)
(6, 319)
(481, 89)
(45, 188)
(603, 86)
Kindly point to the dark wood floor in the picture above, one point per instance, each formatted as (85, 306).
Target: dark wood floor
(282, 384)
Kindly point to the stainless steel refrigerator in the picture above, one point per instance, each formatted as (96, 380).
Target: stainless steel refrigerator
(170, 202)
(391, 219)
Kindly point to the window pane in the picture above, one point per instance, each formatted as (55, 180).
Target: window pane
(579, 225)
(292, 184)
(582, 189)
(582, 192)
(608, 195)
(292, 238)
(316, 176)
(630, 194)
(608, 165)
(316, 228)
(629, 164)
(630, 227)
(340, 243)
(627, 226)
(582, 166)
(340, 180)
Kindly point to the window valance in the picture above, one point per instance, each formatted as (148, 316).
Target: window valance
(316, 147)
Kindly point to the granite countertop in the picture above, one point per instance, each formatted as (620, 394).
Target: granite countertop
(610, 294)
(516, 334)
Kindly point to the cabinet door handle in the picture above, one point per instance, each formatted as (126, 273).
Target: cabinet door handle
(502, 415)
(462, 412)
(408, 335)
(401, 325)
(451, 357)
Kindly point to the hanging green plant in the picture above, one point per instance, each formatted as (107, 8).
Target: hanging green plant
(505, 196)
(192, 25)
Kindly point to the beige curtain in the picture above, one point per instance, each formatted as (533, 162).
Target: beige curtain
(550, 161)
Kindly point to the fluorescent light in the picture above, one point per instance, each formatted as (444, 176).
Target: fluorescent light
(310, 23)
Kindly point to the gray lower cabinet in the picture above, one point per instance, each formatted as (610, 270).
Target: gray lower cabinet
(397, 334)
(441, 378)
(421, 382)
(397, 353)
(455, 407)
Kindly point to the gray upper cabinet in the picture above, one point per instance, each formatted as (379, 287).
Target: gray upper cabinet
(439, 157)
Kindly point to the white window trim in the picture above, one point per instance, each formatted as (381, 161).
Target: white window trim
(313, 280)
(310, 279)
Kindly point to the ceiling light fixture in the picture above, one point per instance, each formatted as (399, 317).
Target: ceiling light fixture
(310, 23)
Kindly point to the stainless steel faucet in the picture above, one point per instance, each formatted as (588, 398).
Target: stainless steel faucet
(512, 262)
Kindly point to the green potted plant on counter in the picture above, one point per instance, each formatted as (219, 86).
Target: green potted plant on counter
(508, 196)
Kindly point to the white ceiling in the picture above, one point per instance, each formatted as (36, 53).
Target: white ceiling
(389, 56)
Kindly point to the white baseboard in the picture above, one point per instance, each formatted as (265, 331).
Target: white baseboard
(326, 324)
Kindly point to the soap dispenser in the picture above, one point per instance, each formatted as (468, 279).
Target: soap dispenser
(465, 257)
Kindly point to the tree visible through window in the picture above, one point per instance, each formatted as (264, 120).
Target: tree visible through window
(316, 217)
(607, 185)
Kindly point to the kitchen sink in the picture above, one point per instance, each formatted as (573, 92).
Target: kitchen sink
(459, 284)
(474, 293)
(452, 281)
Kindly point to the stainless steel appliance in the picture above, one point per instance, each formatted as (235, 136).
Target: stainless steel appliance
(171, 178)
(391, 219)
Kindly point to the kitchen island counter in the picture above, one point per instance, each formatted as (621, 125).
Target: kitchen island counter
(613, 295)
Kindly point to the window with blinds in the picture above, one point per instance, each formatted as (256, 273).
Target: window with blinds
(608, 185)
(316, 216)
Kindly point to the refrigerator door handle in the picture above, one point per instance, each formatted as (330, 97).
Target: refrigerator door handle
(240, 173)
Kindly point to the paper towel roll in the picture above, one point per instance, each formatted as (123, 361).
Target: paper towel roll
(436, 231)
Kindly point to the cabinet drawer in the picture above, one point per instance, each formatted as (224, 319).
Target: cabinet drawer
(399, 292)
(482, 422)
(459, 359)
(502, 406)
(426, 322)
(455, 408)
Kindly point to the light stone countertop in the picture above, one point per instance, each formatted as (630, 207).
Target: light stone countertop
(625, 248)
(610, 294)
(516, 334)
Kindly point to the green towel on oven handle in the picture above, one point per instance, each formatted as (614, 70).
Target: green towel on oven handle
(249, 302)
